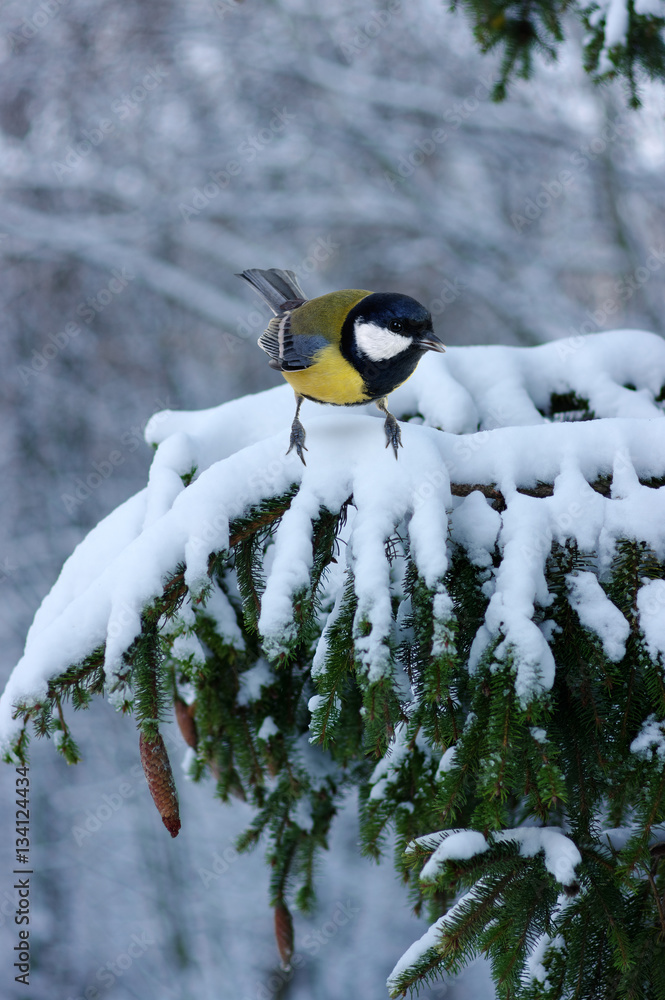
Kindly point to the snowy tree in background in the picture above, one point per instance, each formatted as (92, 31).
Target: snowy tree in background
(472, 636)
(623, 37)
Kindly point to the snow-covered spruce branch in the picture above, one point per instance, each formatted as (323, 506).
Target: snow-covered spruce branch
(623, 37)
(470, 636)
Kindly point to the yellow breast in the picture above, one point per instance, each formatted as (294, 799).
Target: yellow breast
(330, 379)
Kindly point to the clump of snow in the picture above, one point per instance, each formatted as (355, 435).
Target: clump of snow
(253, 680)
(268, 729)
(290, 571)
(428, 527)
(534, 963)
(561, 856)
(181, 621)
(430, 939)
(382, 500)
(446, 763)
(534, 966)
(118, 693)
(219, 608)
(188, 649)
(615, 13)
(318, 701)
(651, 739)
(526, 538)
(475, 525)
(124, 625)
(428, 841)
(315, 702)
(443, 638)
(186, 691)
(387, 770)
(173, 460)
(597, 613)
(651, 613)
(549, 628)
(458, 845)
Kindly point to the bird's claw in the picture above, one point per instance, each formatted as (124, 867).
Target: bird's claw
(393, 433)
(297, 440)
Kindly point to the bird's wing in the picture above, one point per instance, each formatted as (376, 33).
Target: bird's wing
(289, 352)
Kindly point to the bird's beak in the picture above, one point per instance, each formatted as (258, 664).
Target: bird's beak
(431, 343)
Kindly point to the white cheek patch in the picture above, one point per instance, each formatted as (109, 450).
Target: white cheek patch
(379, 344)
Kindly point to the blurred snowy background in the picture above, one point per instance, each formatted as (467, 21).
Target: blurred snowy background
(147, 152)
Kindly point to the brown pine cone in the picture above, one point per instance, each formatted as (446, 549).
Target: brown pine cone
(157, 769)
(184, 714)
(284, 934)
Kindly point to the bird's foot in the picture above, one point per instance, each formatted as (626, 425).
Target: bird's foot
(297, 440)
(393, 433)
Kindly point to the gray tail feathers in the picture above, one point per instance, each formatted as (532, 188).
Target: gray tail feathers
(275, 286)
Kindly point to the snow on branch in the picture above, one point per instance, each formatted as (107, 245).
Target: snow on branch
(483, 420)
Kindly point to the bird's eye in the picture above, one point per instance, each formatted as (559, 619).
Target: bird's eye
(396, 325)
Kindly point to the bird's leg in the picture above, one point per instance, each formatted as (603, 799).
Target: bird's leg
(391, 427)
(298, 432)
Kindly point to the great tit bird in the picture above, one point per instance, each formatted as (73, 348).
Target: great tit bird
(346, 348)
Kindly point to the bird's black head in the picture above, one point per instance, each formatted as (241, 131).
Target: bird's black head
(384, 337)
